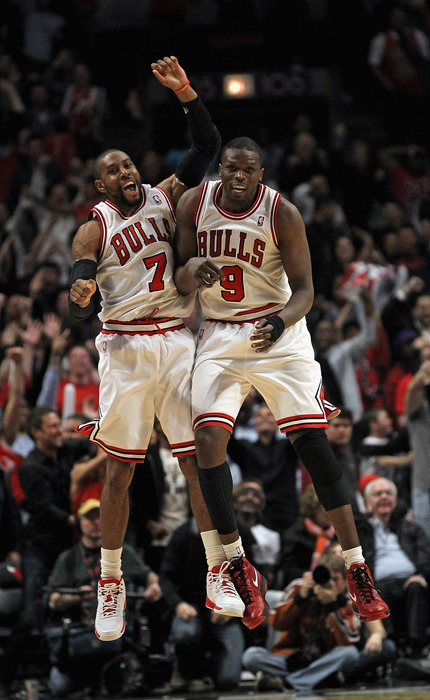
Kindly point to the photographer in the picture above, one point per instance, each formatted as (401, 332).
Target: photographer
(319, 634)
(76, 656)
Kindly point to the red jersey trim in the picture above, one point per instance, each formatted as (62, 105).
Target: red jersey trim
(149, 326)
(91, 429)
(116, 208)
(256, 310)
(181, 449)
(167, 196)
(221, 419)
(304, 421)
(103, 231)
(199, 204)
(273, 219)
(239, 322)
(243, 214)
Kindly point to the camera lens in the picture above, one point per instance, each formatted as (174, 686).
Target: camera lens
(321, 575)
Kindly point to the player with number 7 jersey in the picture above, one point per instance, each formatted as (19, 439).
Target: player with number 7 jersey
(139, 299)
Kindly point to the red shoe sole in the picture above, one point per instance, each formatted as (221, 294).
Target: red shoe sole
(370, 618)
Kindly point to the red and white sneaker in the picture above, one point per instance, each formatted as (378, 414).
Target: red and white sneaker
(331, 411)
(366, 601)
(252, 587)
(221, 595)
(110, 623)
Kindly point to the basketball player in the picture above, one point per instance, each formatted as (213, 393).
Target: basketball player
(245, 251)
(146, 353)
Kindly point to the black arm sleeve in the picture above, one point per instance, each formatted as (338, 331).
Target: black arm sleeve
(86, 270)
(79, 313)
(206, 142)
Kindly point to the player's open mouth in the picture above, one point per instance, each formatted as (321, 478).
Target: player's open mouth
(130, 186)
(238, 188)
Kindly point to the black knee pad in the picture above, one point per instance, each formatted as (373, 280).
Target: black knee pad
(217, 489)
(314, 450)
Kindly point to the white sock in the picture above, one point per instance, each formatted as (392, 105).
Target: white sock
(353, 556)
(213, 548)
(110, 563)
(235, 549)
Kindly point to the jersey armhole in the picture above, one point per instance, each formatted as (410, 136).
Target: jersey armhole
(199, 203)
(274, 219)
(97, 215)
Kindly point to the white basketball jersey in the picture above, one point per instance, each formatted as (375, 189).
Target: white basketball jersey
(246, 246)
(136, 263)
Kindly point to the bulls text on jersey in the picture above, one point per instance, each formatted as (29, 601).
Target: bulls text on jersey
(224, 242)
(133, 238)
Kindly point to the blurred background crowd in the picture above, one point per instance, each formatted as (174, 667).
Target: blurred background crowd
(339, 98)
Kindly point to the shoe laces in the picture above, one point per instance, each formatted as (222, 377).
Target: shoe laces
(364, 583)
(240, 580)
(109, 592)
(221, 581)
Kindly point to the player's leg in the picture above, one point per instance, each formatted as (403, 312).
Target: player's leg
(221, 594)
(217, 487)
(172, 401)
(114, 511)
(293, 392)
(219, 388)
(319, 459)
(199, 508)
(123, 431)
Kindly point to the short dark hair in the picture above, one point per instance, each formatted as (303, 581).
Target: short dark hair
(333, 561)
(79, 418)
(345, 413)
(98, 160)
(50, 264)
(370, 416)
(243, 142)
(35, 418)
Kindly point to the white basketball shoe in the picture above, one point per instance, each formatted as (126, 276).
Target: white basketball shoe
(110, 623)
(221, 595)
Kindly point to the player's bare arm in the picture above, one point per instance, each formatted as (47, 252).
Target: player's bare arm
(192, 271)
(86, 241)
(85, 247)
(294, 251)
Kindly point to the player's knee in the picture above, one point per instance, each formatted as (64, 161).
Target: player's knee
(211, 445)
(188, 465)
(315, 451)
(119, 474)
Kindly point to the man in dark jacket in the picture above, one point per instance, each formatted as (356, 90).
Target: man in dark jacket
(206, 644)
(398, 551)
(272, 459)
(49, 525)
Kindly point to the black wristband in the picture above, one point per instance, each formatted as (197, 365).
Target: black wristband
(278, 327)
(84, 269)
(79, 313)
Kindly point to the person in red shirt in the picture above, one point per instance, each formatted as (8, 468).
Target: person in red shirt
(82, 374)
(398, 57)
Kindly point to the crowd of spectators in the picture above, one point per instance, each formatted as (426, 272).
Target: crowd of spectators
(366, 206)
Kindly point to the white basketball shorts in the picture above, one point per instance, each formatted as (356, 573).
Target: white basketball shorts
(287, 376)
(141, 376)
